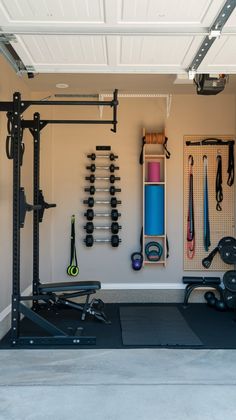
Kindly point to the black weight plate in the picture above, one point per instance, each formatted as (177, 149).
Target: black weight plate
(229, 280)
(230, 299)
(228, 254)
(226, 241)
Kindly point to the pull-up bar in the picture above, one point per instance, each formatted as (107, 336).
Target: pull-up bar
(23, 105)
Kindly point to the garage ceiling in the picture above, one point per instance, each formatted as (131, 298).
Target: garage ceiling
(116, 36)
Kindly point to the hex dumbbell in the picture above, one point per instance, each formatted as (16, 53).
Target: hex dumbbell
(111, 168)
(90, 214)
(112, 190)
(91, 202)
(111, 178)
(114, 240)
(110, 156)
(114, 227)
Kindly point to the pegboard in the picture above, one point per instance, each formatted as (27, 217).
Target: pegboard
(221, 222)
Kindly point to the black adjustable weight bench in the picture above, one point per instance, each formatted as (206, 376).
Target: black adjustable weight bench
(60, 293)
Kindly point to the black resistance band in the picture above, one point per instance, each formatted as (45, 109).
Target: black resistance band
(219, 189)
(230, 169)
(190, 220)
(206, 233)
(73, 269)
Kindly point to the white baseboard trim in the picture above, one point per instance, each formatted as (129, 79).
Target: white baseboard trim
(7, 310)
(142, 286)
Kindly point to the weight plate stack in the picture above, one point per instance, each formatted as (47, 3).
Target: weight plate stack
(230, 299)
(229, 280)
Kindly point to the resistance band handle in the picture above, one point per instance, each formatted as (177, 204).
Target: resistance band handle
(212, 141)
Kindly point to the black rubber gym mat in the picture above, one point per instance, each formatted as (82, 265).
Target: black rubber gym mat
(216, 330)
(155, 326)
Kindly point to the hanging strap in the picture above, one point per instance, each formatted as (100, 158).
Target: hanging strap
(73, 269)
(219, 189)
(165, 148)
(206, 221)
(190, 219)
(230, 169)
(141, 154)
(154, 138)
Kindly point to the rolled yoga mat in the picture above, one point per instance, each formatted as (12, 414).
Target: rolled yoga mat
(154, 210)
(153, 171)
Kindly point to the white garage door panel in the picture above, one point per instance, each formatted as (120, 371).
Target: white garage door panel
(169, 12)
(83, 11)
(231, 22)
(222, 56)
(154, 50)
(69, 50)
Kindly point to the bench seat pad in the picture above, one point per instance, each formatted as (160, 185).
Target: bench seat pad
(70, 286)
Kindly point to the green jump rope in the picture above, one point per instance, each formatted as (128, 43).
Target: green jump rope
(73, 269)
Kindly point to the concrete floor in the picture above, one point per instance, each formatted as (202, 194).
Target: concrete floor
(138, 384)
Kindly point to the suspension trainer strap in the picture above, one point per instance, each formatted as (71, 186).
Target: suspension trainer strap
(206, 224)
(73, 269)
(190, 219)
(165, 148)
(141, 154)
(219, 189)
(230, 170)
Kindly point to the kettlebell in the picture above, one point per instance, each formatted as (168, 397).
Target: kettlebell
(137, 260)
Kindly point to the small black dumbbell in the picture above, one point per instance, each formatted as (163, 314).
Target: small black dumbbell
(114, 227)
(111, 168)
(111, 178)
(112, 190)
(91, 202)
(90, 214)
(110, 156)
(114, 240)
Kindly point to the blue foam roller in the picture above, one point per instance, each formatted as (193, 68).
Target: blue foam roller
(154, 210)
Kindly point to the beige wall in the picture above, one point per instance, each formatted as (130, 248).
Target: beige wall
(68, 147)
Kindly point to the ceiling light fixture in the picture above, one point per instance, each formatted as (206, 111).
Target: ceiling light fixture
(62, 85)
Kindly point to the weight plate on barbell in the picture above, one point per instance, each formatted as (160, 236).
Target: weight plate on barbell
(229, 280)
(230, 299)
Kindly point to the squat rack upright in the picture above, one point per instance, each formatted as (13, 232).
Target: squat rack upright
(15, 150)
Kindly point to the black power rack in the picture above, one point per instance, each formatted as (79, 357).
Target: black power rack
(15, 149)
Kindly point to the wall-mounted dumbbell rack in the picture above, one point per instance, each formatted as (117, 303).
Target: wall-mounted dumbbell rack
(105, 170)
